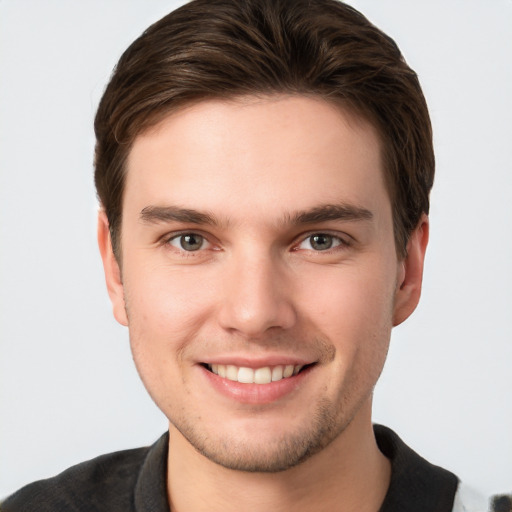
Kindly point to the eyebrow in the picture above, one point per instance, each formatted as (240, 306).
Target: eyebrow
(321, 213)
(327, 212)
(154, 214)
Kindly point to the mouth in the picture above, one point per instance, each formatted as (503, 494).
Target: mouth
(263, 375)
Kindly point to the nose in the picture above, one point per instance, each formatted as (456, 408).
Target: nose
(256, 297)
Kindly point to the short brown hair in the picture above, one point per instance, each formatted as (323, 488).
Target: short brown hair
(227, 48)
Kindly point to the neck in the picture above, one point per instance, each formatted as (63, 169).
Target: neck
(351, 474)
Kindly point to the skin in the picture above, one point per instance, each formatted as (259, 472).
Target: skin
(256, 291)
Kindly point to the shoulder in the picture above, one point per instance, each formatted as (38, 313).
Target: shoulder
(103, 483)
(416, 484)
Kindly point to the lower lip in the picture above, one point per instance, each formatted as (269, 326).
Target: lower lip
(256, 393)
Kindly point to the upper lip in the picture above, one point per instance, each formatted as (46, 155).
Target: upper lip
(257, 362)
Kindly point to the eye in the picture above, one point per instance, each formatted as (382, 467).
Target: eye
(321, 242)
(189, 242)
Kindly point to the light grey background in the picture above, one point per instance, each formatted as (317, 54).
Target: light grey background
(68, 387)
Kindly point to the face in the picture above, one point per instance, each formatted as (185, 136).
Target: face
(259, 277)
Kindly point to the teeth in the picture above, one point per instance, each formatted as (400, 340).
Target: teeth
(231, 372)
(264, 375)
(245, 375)
(277, 373)
(288, 371)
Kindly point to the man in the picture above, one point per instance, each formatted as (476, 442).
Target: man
(263, 169)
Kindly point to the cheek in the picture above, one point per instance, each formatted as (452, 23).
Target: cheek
(350, 296)
(353, 308)
(162, 316)
(166, 299)
(166, 309)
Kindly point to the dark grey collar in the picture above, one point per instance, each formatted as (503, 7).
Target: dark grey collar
(416, 485)
(151, 487)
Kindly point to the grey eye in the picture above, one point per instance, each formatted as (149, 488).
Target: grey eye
(188, 242)
(321, 242)
(191, 242)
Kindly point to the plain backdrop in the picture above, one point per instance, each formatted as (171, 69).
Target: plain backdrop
(68, 387)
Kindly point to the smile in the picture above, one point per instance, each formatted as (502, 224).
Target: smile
(264, 375)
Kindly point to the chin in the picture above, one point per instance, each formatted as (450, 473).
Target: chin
(270, 450)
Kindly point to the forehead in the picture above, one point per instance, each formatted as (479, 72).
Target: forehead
(278, 153)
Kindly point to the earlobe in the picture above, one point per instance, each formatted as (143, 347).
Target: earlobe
(112, 271)
(410, 276)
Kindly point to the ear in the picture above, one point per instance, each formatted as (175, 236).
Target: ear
(112, 270)
(410, 274)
